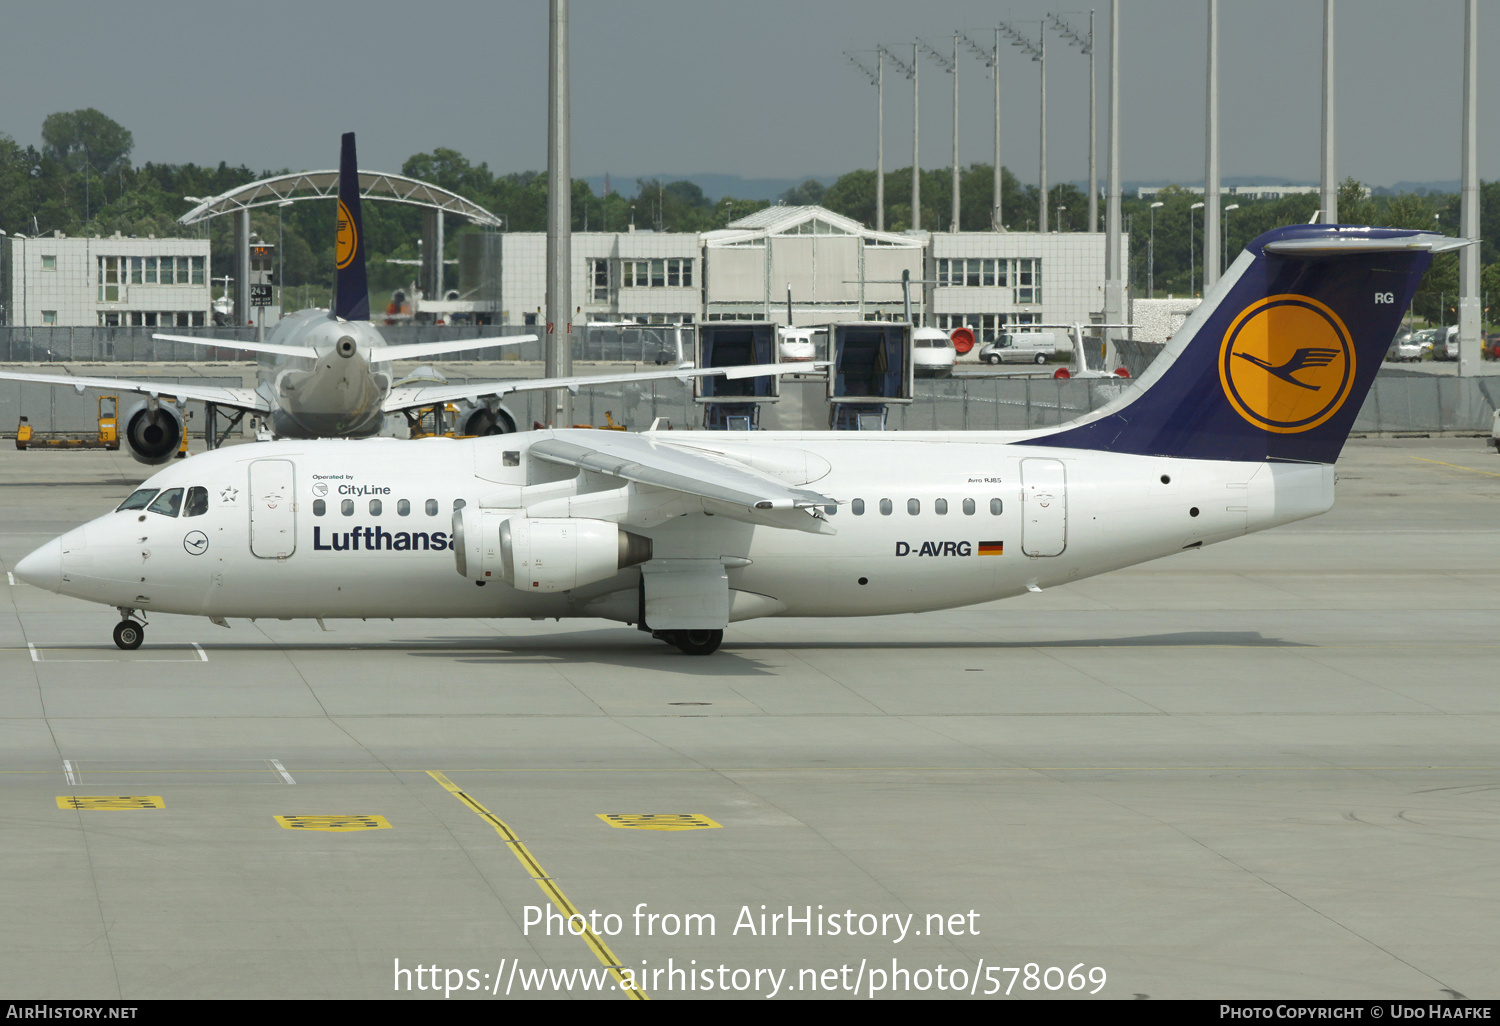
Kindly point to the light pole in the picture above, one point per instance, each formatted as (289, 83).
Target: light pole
(992, 61)
(952, 68)
(1151, 254)
(280, 260)
(1038, 52)
(878, 78)
(1192, 258)
(1224, 260)
(1086, 44)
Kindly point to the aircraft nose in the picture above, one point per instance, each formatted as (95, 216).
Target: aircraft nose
(43, 568)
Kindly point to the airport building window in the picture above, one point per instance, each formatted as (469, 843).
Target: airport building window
(319, 507)
(432, 507)
(676, 272)
(996, 507)
(49, 262)
(197, 502)
(968, 507)
(940, 507)
(403, 508)
(885, 507)
(1027, 275)
(347, 507)
(913, 506)
(599, 272)
(857, 507)
(976, 272)
(375, 507)
(111, 277)
(168, 503)
(49, 317)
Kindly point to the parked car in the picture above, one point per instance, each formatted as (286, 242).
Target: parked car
(1411, 346)
(932, 353)
(1025, 347)
(1449, 349)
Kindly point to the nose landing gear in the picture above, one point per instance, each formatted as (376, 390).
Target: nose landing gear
(129, 632)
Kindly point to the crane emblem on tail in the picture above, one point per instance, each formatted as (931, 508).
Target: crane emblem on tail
(1301, 359)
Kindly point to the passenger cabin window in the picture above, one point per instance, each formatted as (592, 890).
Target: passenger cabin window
(913, 506)
(403, 508)
(139, 499)
(347, 507)
(857, 507)
(197, 502)
(432, 507)
(885, 507)
(940, 507)
(968, 507)
(459, 504)
(996, 506)
(168, 503)
(830, 509)
(375, 507)
(319, 507)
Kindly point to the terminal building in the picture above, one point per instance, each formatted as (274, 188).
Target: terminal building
(57, 281)
(832, 268)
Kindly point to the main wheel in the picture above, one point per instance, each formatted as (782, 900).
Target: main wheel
(129, 634)
(994, 360)
(1041, 357)
(699, 642)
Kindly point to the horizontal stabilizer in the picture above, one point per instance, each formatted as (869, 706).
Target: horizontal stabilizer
(238, 398)
(418, 350)
(306, 352)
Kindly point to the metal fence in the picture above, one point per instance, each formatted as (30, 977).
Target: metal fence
(86, 344)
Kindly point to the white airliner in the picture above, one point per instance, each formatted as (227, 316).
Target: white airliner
(1234, 428)
(326, 374)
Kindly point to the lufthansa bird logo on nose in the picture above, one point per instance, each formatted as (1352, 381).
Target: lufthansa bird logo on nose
(196, 543)
(320, 489)
(1287, 364)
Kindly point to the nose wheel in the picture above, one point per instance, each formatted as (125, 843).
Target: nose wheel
(129, 632)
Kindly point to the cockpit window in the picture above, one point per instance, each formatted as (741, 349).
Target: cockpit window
(168, 503)
(138, 499)
(197, 502)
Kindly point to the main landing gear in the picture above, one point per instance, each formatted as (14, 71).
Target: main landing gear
(129, 632)
(692, 642)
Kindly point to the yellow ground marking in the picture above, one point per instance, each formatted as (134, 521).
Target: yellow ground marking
(658, 820)
(81, 801)
(333, 824)
(549, 886)
(1456, 466)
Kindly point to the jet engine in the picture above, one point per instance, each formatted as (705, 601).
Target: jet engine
(153, 436)
(542, 555)
(482, 420)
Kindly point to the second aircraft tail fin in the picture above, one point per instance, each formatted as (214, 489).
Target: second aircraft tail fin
(351, 290)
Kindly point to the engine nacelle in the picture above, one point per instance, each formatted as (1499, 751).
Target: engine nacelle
(542, 555)
(481, 420)
(153, 438)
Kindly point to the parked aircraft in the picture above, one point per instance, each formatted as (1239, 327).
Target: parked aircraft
(682, 533)
(327, 373)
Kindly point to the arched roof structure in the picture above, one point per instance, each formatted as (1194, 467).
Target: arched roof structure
(308, 185)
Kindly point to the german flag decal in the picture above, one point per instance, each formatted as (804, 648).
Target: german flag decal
(992, 548)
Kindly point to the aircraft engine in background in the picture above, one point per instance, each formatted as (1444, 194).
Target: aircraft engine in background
(482, 420)
(153, 437)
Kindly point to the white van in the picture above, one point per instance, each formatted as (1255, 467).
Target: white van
(1026, 347)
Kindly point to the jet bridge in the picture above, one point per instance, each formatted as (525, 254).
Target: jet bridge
(736, 403)
(872, 369)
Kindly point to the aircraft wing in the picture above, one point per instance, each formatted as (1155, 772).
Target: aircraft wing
(729, 489)
(417, 350)
(238, 398)
(415, 396)
(306, 352)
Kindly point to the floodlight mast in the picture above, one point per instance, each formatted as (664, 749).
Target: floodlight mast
(951, 67)
(992, 61)
(878, 78)
(1038, 52)
(910, 71)
(1086, 44)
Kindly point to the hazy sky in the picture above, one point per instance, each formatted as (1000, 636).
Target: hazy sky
(756, 89)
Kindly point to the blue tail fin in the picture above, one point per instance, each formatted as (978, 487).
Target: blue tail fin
(351, 291)
(1277, 361)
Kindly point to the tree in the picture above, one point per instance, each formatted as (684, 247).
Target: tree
(74, 137)
(809, 194)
